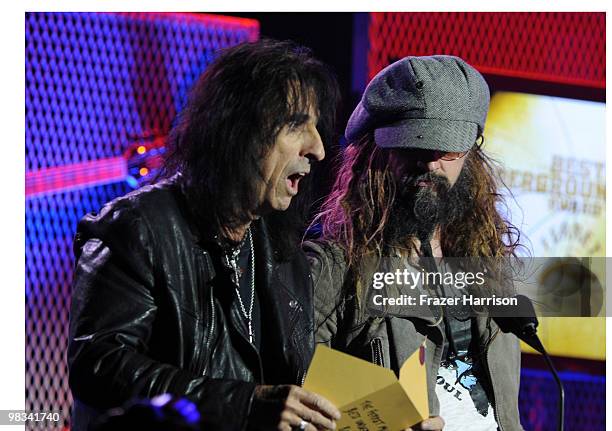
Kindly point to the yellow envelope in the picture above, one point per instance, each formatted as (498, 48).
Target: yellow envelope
(370, 397)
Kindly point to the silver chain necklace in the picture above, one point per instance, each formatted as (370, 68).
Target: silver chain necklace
(233, 263)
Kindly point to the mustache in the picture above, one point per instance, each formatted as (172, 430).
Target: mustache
(416, 211)
(411, 181)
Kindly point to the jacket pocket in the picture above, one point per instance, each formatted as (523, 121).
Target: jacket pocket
(378, 357)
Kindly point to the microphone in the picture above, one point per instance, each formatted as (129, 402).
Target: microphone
(521, 321)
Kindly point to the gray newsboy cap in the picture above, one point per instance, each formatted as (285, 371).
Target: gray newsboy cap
(436, 103)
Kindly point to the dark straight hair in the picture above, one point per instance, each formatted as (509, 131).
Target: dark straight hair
(233, 115)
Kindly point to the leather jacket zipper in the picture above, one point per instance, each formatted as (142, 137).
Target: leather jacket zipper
(211, 331)
(377, 352)
(213, 320)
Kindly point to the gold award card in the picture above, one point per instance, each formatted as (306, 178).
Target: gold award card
(370, 397)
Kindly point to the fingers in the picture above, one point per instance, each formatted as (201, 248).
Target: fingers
(312, 408)
(319, 403)
(291, 421)
(435, 423)
(285, 406)
(315, 418)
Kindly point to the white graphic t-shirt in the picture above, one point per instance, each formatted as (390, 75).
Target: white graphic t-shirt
(457, 407)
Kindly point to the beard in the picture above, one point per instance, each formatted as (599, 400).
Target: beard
(418, 210)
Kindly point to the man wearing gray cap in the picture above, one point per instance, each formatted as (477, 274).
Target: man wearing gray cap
(414, 183)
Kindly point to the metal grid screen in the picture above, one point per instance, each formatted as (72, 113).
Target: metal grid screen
(585, 401)
(95, 84)
(559, 47)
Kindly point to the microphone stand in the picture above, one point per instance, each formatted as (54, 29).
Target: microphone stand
(529, 335)
(524, 326)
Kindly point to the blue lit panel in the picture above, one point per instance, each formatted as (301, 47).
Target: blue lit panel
(585, 401)
(96, 85)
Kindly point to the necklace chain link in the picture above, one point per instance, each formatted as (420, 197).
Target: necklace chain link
(236, 278)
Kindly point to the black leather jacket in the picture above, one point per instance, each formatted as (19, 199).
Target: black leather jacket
(153, 312)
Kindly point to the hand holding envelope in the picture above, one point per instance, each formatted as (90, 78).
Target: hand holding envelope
(370, 397)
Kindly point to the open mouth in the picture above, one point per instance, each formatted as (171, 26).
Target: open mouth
(293, 181)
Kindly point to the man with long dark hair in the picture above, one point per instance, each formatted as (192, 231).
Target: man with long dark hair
(414, 186)
(195, 285)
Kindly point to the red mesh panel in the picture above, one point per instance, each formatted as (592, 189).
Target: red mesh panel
(559, 47)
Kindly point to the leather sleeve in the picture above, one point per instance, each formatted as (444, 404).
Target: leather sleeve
(112, 314)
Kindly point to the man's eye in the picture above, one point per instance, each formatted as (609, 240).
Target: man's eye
(297, 122)
(295, 125)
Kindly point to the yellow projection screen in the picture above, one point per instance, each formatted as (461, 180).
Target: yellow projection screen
(553, 152)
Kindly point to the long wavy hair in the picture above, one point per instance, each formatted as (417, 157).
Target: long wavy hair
(356, 213)
(233, 115)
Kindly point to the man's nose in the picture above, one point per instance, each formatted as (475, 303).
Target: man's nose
(313, 145)
(430, 165)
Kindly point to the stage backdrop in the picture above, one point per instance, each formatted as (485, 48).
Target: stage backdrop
(101, 92)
